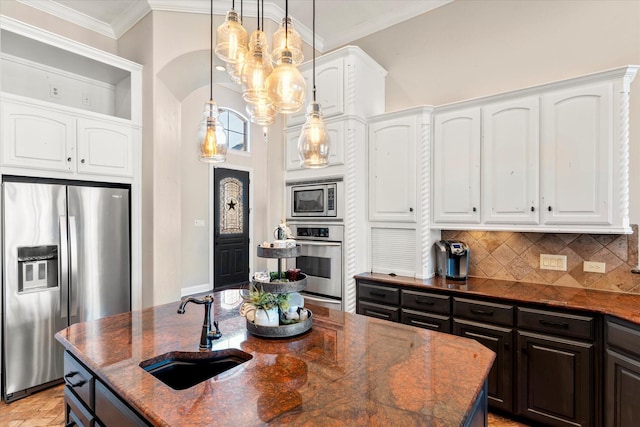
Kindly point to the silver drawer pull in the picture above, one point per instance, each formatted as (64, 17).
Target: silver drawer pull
(424, 302)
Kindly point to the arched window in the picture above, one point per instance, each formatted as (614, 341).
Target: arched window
(237, 127)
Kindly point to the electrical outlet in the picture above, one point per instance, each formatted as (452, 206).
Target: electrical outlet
(86, 99)
(553, 262)
(54, 91)
(198, 223)
(594, 267)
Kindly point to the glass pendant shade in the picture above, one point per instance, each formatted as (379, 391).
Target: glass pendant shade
(314, 142)
(261, 112)
(231, 39)
(212, 139)
(286, 86)
(292, 42)
(235, 71)
(255, 73)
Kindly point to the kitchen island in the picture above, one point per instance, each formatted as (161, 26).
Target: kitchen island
(347, 370)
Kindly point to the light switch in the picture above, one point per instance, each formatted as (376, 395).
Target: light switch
(594, 267)
(198, 223)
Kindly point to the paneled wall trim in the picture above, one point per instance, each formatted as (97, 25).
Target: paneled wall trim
(516, 256)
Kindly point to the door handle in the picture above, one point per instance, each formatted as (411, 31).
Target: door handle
(63, 267)
(73, 265)
(80, 383)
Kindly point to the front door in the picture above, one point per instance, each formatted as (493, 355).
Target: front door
(231, 231)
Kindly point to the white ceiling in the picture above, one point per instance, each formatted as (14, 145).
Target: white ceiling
(338, 22)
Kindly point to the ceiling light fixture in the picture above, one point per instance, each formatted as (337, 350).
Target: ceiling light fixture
(286, 86)
(231, 38)
(267, 91)
(212, 139)
(314, 142)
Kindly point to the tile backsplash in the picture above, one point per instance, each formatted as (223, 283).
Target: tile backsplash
(516, 256)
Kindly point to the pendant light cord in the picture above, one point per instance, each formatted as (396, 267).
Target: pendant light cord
(211, 54)
(262, 21)
(258, 15)
(313, 26)
(286, 24)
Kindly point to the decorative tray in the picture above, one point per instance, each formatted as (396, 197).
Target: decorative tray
(283, 287)
(279, 252)
(282, 331)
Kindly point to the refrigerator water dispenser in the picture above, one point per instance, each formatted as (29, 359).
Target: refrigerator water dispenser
(37, 268)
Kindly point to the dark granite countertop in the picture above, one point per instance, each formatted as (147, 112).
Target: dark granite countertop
(623, 306)
(347, 370)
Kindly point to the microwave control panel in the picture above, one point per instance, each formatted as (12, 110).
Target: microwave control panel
(331, 199)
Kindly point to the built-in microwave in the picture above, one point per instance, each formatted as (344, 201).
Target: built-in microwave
(315, 199)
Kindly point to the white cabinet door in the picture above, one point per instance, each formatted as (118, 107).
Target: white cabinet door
(510, 162)
(104, 148)
(456, 167)
(37, 138)
(392, 169)
(337, 134)
(577, 155)
(329, 90)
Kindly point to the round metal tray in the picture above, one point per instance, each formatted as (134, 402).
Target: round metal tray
(279, 252)
(283, 287)
(282, 331)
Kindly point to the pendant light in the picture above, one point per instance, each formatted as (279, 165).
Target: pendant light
(285, 85)
(287, 38)
(234, 69)
(212, 139)
(314, 142)
(257, 67)
(231, 39)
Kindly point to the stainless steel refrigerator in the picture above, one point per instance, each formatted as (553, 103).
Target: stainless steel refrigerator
(66, 259)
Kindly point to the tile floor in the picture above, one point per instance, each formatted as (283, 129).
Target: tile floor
(46, 408)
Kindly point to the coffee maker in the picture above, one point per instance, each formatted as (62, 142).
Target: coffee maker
(452, 259)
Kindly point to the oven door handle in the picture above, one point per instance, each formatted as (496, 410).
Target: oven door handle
(316, 243)
(312, 298)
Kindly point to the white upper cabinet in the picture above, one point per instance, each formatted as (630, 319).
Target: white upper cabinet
(456, 167)
(104, 148)
(510, 161)
(578, 156)
(68, 110)
(553, 158)
(37, 138)
(392, 167)
(348, 82)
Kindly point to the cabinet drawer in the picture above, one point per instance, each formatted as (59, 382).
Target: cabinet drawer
(434, 322)
(78, 379)
(381, 294)
(378, 311)
(426, 302)
(563, 324)
(623, 336)
(76, 412)
(489, 312)
(114, 412)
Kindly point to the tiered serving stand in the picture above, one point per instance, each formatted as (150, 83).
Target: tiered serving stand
(278, 287)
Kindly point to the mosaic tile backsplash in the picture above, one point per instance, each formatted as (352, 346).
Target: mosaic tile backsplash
(516, 256)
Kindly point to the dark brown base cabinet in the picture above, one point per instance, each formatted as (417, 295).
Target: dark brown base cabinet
(554, 380)
(90, 403)
(622, 374)
(548, 363)
(499, 340)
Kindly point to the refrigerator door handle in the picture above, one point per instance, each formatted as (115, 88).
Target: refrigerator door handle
(63, 266)
(73, 265)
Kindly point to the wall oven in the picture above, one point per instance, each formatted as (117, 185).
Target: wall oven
(320, 199)
(321, 261)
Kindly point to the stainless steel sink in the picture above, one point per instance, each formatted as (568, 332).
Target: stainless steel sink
(181, 370)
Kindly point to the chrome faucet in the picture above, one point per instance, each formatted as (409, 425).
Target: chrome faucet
(207, 334)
